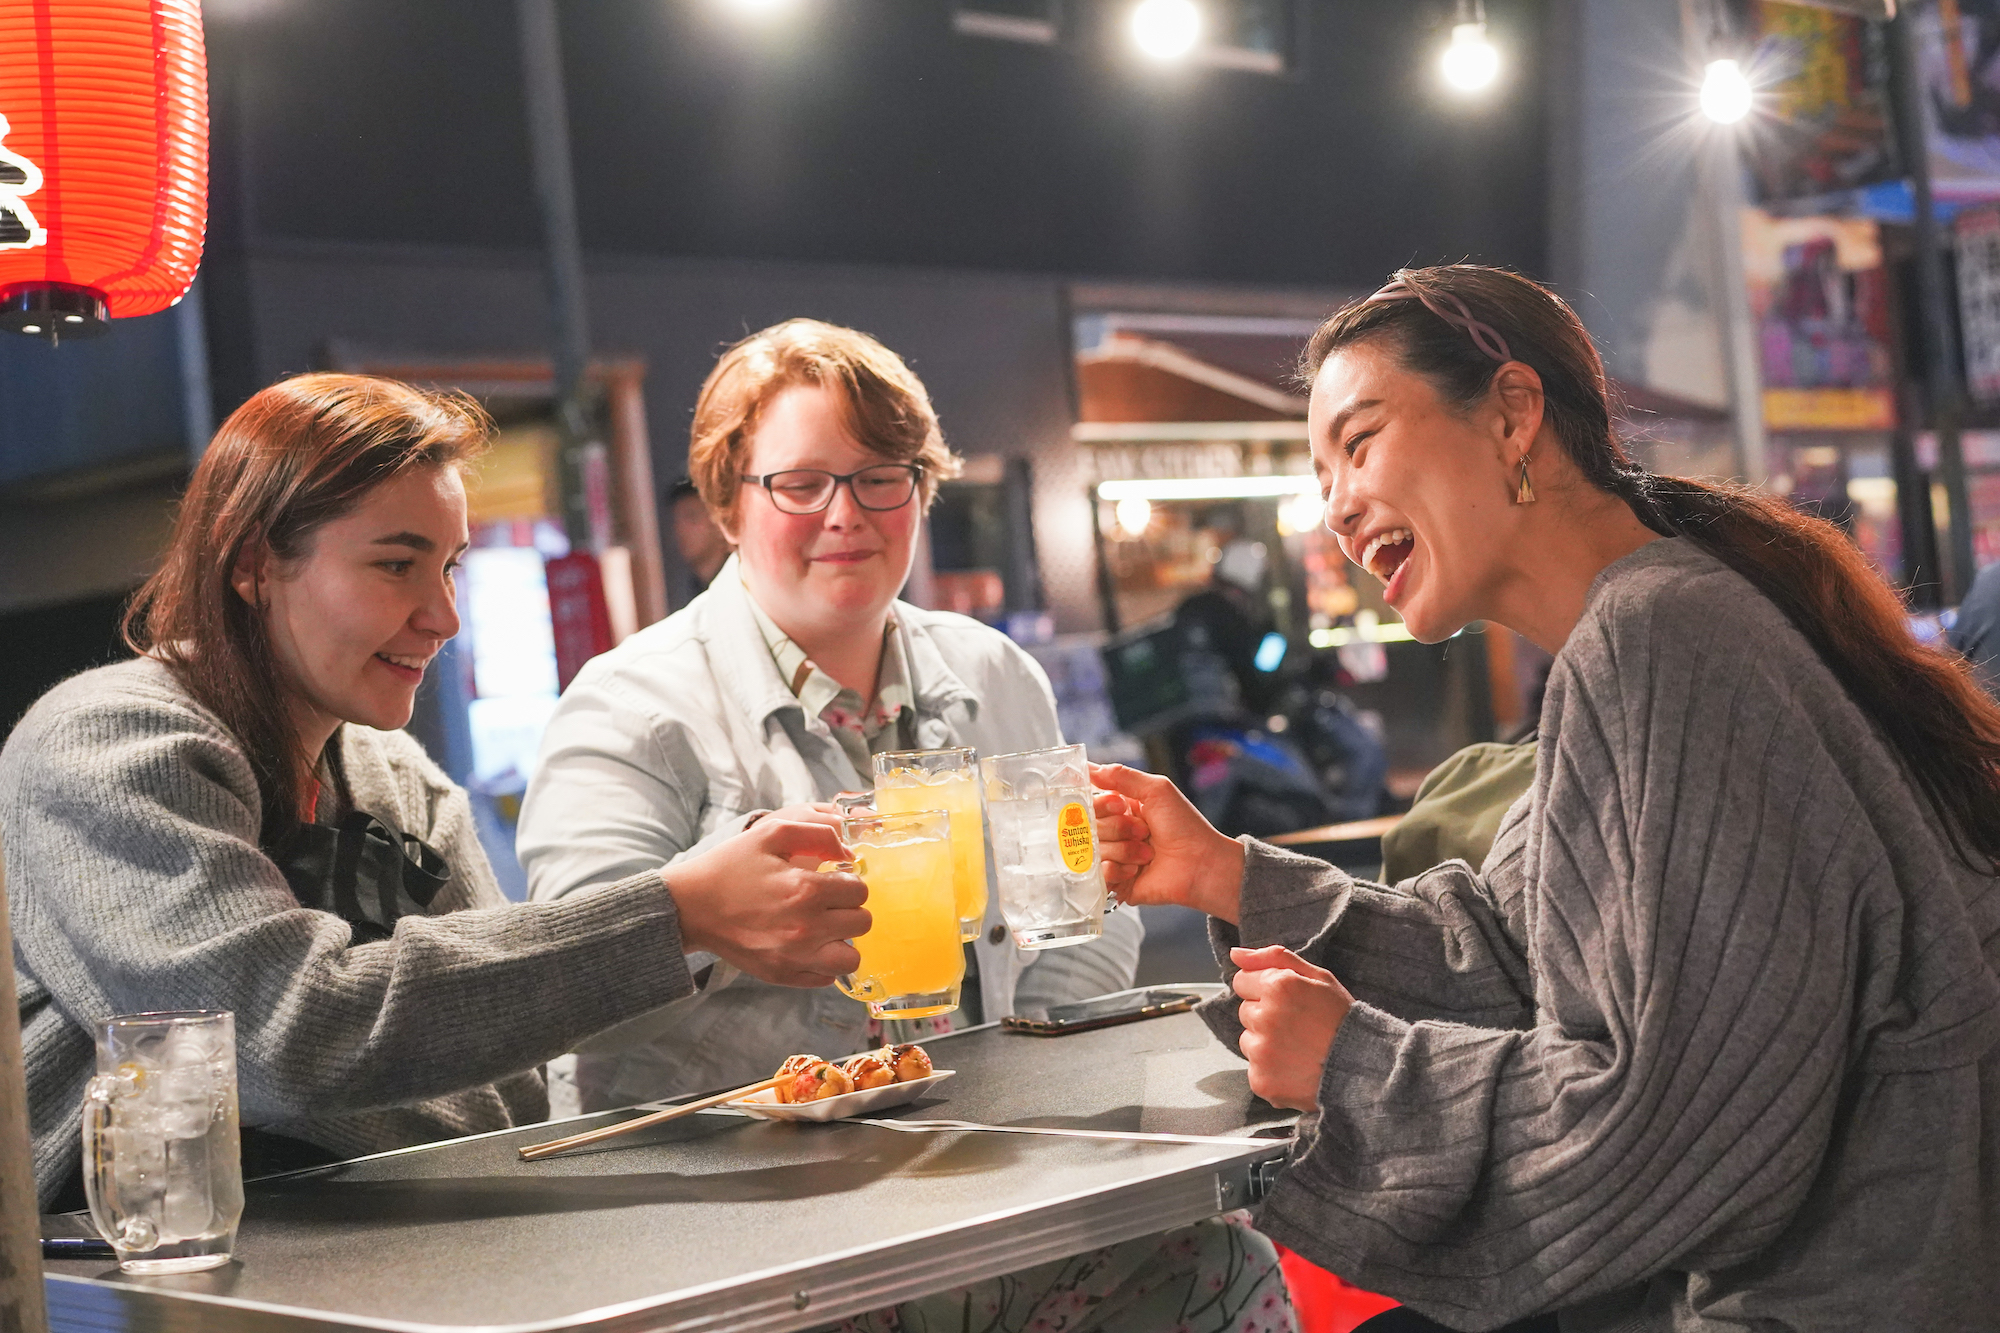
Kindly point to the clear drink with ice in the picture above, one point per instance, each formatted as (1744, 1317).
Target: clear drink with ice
(1050, 885)
(162, 1158)
(946, 780)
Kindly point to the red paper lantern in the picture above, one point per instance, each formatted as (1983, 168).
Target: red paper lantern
(103, 160)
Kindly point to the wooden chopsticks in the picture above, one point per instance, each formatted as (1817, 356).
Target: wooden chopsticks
(537, 1151)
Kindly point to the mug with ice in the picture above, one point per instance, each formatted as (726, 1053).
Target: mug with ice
(162, 1161)
(1038, 807)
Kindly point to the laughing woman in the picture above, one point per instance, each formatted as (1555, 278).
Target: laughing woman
(1712, 1039)
(234, 821)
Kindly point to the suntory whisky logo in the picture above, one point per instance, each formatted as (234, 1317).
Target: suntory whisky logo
(18, 176)
(1079, 850)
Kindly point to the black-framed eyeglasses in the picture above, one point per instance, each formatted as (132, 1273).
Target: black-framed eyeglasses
(808, 490)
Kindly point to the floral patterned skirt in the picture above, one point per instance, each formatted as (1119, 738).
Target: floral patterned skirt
(1217, 1276)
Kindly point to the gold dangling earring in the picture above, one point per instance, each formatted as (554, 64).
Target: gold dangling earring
(1525, 493)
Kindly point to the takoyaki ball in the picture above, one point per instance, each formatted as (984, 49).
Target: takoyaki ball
(870, 1069)
(789, 1070)
(912, 1062)
(817, 1083)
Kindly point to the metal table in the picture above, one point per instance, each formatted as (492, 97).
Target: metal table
(720, 1222)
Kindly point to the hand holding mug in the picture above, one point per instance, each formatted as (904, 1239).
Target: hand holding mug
(760, 902)
(1158, 849)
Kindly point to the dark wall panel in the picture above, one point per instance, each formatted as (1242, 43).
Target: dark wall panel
(92, 403)
(866, 131)
(990, 347)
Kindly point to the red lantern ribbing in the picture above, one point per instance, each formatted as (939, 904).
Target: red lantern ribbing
(103, 160)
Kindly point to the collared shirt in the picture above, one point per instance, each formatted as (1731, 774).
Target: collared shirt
(666, 746)
(863, 728)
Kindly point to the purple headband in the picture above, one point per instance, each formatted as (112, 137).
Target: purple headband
(1484, 336)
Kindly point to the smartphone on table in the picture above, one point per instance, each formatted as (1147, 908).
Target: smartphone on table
(1103, 1012)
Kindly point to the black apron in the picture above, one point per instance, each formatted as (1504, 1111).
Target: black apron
(362, 871)
(368, 875)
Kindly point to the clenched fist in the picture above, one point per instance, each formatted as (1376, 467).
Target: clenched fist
(1290, 1012)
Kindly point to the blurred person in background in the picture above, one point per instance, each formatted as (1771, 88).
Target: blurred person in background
(817, 451)
(1711, 1040)
(1976, 630)
(235, 820)
(702, 545)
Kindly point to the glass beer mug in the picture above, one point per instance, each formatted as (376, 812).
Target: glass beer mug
(946, 780)
(1049, 882)
(911, 962)
(162, 1164)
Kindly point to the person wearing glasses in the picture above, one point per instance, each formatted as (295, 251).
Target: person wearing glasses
(817, 451)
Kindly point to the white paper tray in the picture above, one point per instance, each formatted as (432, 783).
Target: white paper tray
(766, 1106)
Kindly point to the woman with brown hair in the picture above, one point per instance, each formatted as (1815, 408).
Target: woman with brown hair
(1712, 1038)
(234, 820)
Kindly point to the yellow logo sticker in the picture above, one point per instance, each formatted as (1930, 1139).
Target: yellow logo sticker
(1079, 850)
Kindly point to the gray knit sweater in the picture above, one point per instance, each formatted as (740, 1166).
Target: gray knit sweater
(130, 819)
(1711, 1042)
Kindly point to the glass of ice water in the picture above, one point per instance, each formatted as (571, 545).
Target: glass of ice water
(1038, 809)
(162, 1161)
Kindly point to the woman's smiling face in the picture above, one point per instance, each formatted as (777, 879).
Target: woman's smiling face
(834, 571)
(356, 620)
(1419, 494)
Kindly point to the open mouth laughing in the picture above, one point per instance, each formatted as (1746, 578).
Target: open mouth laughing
(1385, 552)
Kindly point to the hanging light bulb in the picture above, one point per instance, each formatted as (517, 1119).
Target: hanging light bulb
(1166, 29)
(1725, 92)
(1134, 515)
(1470, 63)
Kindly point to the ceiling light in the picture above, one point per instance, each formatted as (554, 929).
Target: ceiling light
(1134, 514)
(1166, 29)
(1470, 63)
(1208, 488)
(1725, 93)
(758, 8)
(1300, 512)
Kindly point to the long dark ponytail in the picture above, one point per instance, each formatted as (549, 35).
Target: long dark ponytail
(1924, 700)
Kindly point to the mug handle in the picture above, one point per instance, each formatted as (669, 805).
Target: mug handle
(99, 1116)
(853, 987)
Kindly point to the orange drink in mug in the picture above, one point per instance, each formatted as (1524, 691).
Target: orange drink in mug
(911, 962)
(946, 780)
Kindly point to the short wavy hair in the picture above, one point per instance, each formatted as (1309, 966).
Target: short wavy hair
(886, 407)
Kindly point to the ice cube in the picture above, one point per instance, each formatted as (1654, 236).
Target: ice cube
(1040, 851)
(183, 1099)
(138, 1233)
(1084, 894)
(186, 1211)
(1033, 898)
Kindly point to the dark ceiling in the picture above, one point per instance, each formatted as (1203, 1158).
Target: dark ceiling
(867, 131)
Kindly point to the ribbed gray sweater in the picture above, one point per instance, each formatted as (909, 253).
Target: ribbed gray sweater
(130, 818)
(1712, 1041)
